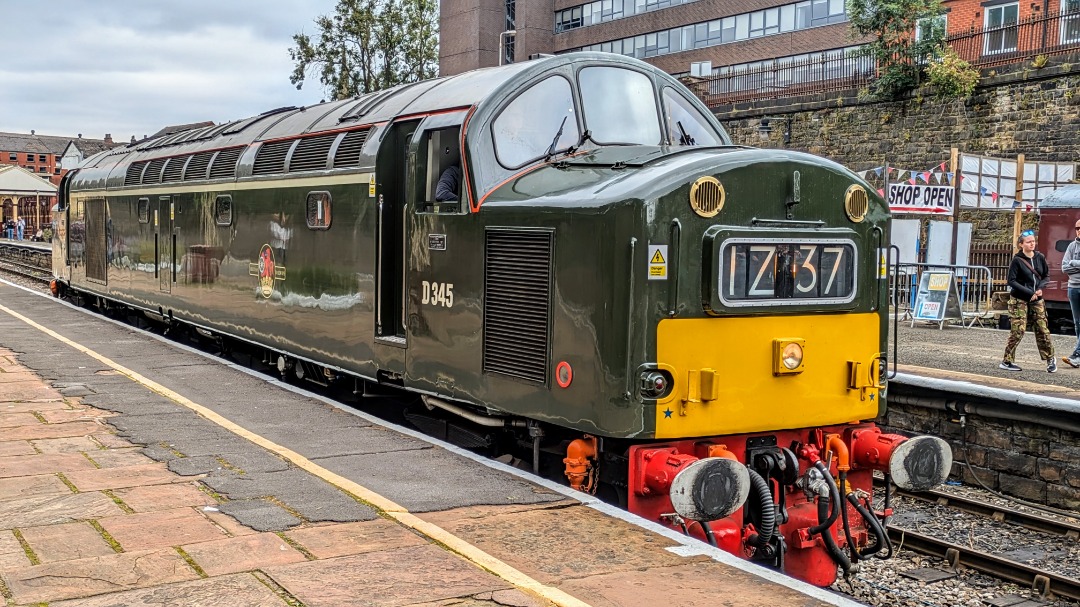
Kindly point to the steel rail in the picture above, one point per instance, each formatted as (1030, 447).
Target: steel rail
(1035, 522)
(28, 261)
(1042, 582)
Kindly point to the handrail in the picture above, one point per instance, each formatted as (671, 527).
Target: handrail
(971, 292)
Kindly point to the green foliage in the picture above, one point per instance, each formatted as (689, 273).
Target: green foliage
(369, 46)
(901, 59)
(951, 76)
(1040, 61)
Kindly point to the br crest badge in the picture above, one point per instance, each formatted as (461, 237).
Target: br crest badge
(267, 271)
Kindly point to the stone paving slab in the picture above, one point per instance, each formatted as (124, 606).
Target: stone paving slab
(246, 553)
(67, 542)
(52, 430)
(29, 390)
(117, 478)
(386, 578)
(159, 529)
(75, 415)
(528, 539)
(12, 554)
(347, 539)
(151, 498)
(38, 405)
(22, 487)
(15, 447)
(72, 444)
(25, 465)
(120, 458)
(243, 589)
(86, 577)
(53, 510)
(14, 420)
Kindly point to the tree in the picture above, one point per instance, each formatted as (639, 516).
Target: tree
(901, 54)
(369, 46)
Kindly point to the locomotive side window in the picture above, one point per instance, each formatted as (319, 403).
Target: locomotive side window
(619, 106)
(144, 210)
(787, 272)
(539, 122)
(223, 210)
(685, 124)
(318, 210)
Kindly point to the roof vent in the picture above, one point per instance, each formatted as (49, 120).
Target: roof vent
(271, 157)
(348, 152)
(312, 153)
(224, 164)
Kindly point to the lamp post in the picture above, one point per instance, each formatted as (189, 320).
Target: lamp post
(503, 54)
(765, 127)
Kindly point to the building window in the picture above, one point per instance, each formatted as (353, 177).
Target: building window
(12, 156)
(56, 171)
(42, 158)
(30, 168)
(223, 210)
(1001, 32)
(925, 28)
(318, 210)
(1070, 26)
(43, 169)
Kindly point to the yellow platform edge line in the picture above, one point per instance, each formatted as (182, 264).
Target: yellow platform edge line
(390, 508)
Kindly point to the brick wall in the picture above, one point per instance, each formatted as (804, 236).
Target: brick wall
(1035, 462)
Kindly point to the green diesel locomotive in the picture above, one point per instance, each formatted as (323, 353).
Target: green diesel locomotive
(695, 328)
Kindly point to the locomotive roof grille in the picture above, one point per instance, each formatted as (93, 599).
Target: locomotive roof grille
(152, 174)
(134, 173)
(224, 164)
(196, 168)
(312, 153)
(175, 168)
(348, 151)
(270, 158)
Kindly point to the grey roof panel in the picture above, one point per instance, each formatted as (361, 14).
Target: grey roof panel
(1065, 197)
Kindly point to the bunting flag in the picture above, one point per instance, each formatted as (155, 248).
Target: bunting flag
(994, 196)
(941, 167)
(900, 174)
(881, 192)
(920, 176)
(911, 181)
(926, 176)
(878, 171)
(1016, 204)
(950, 175)
(983, 192)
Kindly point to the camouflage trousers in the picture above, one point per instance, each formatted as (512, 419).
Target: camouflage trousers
(1020, 314)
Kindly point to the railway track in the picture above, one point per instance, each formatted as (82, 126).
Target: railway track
(26, 260)
(1043, 582)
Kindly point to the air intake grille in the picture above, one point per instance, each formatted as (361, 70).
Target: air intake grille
(153, 171)
(174, 168)
(311, 153)
(134, 173)
(196, 169)
(517, 303)
(225, 163)
(348, 152)
(271, 158)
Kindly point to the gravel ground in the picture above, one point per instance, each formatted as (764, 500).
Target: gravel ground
(881, 583)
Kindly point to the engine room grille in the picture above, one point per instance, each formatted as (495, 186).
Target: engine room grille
(153, 170)
(348, 152)
(517, 303)
(196, 169)
(225, 163)
(311, 153)
(96, 260)
(271, 158)
(134, 173)
(174, 168)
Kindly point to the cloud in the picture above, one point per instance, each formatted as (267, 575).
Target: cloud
(128, 67)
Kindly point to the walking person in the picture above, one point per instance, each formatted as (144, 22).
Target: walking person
(1028, 275)
(1070, 264)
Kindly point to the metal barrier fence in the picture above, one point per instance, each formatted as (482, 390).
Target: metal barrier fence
(974, 287)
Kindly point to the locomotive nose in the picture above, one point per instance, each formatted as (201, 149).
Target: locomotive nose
(920, 463)
(710, 489)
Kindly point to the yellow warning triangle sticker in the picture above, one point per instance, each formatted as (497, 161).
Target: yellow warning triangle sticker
(657, 257)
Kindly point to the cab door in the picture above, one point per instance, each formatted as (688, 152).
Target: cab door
(165, 243)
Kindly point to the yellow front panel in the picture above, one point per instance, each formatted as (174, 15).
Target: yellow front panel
(725, 382)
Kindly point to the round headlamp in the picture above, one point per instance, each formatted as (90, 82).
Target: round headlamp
(792, 356)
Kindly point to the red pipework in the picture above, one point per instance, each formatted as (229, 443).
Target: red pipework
(872, 449)
(661, 467)
(809, 452)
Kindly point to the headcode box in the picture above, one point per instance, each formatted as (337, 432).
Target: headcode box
(934, 199)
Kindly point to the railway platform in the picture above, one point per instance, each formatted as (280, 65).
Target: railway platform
(965, 361)
(134, 471)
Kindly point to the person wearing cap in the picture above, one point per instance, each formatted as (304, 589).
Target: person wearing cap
(1028, 275)
(1070, 264)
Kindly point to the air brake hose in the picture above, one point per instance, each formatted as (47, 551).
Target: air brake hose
(833, 497)
(828, 510)
(852, 549)
(768, 511)
(879, 532)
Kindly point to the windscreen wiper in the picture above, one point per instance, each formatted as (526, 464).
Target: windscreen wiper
(555, 141)
(685, 138)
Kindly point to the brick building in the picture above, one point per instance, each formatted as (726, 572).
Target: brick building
(699, 37)
(46, 156)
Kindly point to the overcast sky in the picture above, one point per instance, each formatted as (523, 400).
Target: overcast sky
(130, 67)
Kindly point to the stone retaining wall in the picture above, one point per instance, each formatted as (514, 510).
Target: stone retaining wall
(1035, 462)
